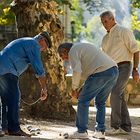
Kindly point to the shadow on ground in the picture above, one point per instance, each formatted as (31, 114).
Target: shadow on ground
(54, 129)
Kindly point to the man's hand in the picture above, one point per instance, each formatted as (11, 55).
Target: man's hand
(135, 75)
(43, 94)
(75, 94)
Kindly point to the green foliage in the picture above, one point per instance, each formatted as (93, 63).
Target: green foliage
(135, 3)
(77, 16)
(63, 2)
(95, 6)
(6, 16)
(135, 21)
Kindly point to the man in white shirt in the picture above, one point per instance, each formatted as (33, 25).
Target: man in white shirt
(99, 73)
(120, 44)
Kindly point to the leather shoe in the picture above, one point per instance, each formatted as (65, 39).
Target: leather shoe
(2, 133)
(19, 133)
(6, 132)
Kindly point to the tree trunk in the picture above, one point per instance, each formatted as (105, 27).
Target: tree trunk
(32, 17)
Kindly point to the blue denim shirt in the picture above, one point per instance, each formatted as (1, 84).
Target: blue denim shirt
(16, 57)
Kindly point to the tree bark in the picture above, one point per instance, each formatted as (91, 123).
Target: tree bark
(32, 17)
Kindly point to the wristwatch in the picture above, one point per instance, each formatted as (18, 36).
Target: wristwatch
(135, 69)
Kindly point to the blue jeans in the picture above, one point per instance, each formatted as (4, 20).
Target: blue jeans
(96, 86)
(119, 114)
(4, 109)
(10, 95)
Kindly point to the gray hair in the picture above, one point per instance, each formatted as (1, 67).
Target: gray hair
(107, 13)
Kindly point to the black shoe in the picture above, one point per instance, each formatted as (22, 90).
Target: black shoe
(126, 129)
(19, 133)
(5, 132)
(2, 133)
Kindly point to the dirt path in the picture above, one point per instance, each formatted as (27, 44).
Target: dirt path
(53, 130)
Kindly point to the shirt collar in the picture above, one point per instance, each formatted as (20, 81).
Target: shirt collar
(113, 28)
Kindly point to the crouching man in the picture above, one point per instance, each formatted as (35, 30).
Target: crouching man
(100, 74)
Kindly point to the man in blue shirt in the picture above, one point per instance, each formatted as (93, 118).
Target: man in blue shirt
(15, 58)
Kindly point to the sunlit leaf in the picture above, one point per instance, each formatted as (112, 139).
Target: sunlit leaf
(6, 10)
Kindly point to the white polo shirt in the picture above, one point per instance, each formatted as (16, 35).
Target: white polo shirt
(85, 60)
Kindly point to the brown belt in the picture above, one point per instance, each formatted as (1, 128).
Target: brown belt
(123, 62)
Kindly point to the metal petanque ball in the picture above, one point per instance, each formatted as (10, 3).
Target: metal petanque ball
(66, 136)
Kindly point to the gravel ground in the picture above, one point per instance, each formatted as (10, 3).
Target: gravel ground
(54, 129)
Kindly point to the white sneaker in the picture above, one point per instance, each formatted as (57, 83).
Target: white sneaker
(77, 135)
(116, 132)
(99, 135)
